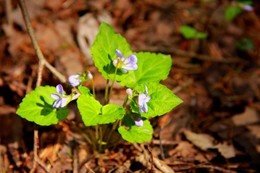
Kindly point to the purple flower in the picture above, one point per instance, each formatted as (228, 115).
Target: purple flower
(74, 80)
(125, 64)
(247, 7)
(78, 79)
(61, 98)
(142, 101)
(139, 122)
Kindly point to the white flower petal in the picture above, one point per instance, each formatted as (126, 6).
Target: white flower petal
(75, 96)
(90, 76)
(139, 122)
(55, 96)
(74, 80)
(129, 92)
(64, 102)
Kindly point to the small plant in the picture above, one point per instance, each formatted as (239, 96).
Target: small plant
(236, 8)
(140, 73)
(191, 33)
(244, 44)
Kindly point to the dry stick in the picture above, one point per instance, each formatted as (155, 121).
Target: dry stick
(35, 43)
(8, 7)
(38, 83)
(42, 63)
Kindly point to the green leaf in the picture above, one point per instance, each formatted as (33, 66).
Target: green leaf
(83, 90)
(36, 107)
(94, 113)
(152, 67)
(191, 33)
(133, 133)
(104, 48)
(162, 100)
(232, 12)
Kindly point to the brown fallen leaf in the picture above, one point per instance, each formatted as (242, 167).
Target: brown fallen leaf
(184, 149)
(87, 31)
(226, 150)
(254, 129)
(162, 166)
(249, 116)
(205, 141)
(202, 141)
(88, 27)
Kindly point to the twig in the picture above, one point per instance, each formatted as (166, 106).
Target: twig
(36, 47)
(42, 165)
(8, 7)
(214, 167)
(190, 166)
(42, 63)
(75, 157)
(35, 148)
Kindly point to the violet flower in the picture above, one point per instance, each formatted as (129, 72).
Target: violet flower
(247, 8)
(142, 101)
(78, 79)
(61, 98)
(125, 64)
(74, 80)
(139, 122)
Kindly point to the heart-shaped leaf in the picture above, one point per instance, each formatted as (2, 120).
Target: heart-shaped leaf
(37, 107)
(94, 113)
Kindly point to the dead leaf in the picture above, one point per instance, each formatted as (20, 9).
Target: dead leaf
(162, 166)
(226, 150)
(215, 51)
(54, 5)
(5, 110)
(88, 27)
(70, 60)
(63, 28)
(249, 116)
(87, 31)
(184, 149)
(202, 141)
(254, 129)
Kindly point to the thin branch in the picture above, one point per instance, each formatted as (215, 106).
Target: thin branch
(36, 45)
(42, 63)
(8, 7)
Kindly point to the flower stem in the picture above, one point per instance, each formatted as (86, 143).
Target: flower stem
(93, 88)
(100, 140)
(106, 92)
(125, 101)
(111, 87)
(115, 125)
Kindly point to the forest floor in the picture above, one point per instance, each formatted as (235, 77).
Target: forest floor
(215, 129)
